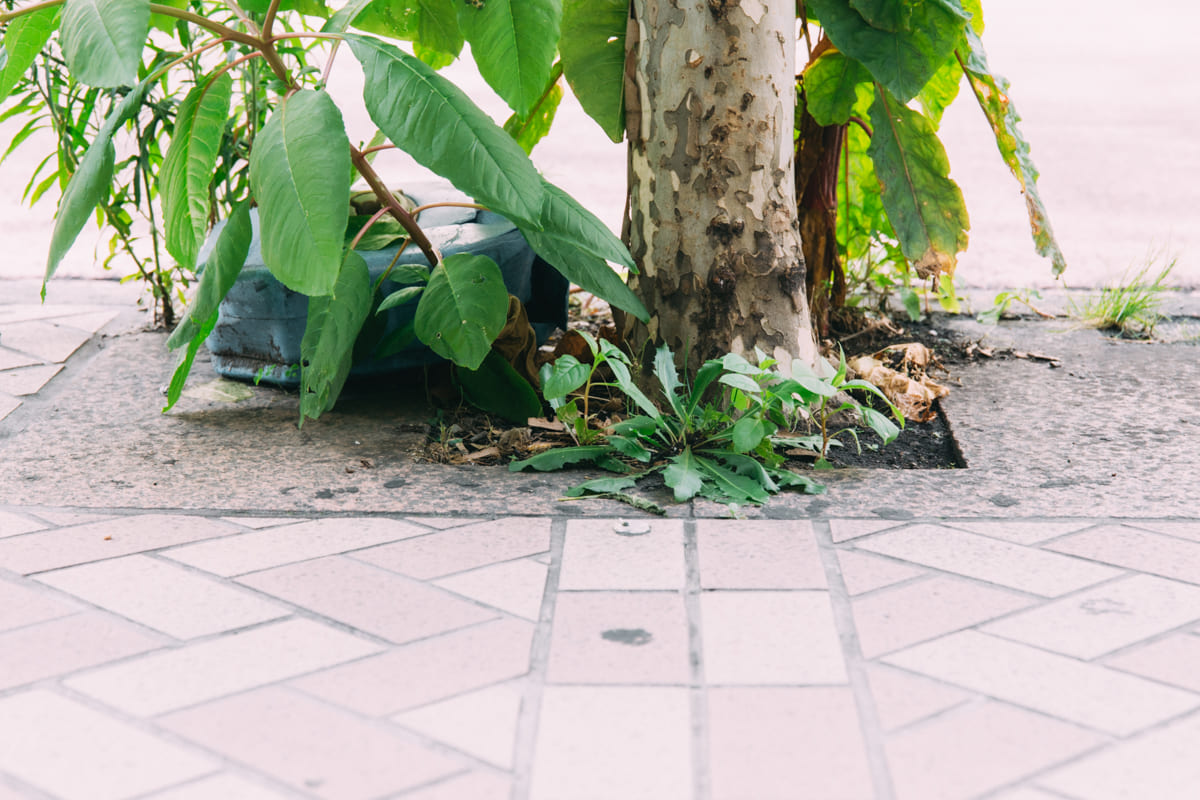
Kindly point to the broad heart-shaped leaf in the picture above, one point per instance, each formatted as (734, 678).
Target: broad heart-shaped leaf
(560, 457)
(187, 169)
(903, 60)
(24, 38)
(532, 128)
(463, 309)
(593, 55)
(563, 376)
(924, 205)
(748, 433)
(941, 90)
(433, 121)
(830, 85)
(887, 15)
(326, 350)
(437, 26)
(103, 40)
(683, 475)
(300, 176)
(220, 271)
(513, 42)
(992, 93)
(499, 389)
(90, 183)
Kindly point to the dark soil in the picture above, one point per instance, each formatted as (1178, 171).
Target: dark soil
(921, 445)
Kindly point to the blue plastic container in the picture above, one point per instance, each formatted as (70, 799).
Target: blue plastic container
(261, 322)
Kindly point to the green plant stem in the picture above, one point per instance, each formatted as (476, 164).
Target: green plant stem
(269, 20)
(427, 206)
(362, 231)
(389, 201)
(9, 16)
(269, 53)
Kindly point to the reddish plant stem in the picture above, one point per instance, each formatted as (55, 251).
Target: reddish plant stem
(393, 206)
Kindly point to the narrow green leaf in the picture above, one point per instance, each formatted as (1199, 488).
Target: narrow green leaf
(437, 26)
(300, 176)
(184, 367)
(400, 297)
(830, 87)
(593, 54)
(560, 457)
(630, 447)
(410, 273)
(708, 372)
(564, 217)
(499, 389)
(668, 378)
(683, 475)
(563, 376)
(24, 38)
(631, 390)
(729, 485)
(434, 122)
(743, 382)
(532, 128)
(884, 428)
(334, 321)
(219, 274)
(513, 42)
(187, 169)
(102, 40)
(925, 206)
(463, 309)
(992, 93)
(602, 486)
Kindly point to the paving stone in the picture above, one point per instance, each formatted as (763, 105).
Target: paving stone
(369, 598)
(972, 750)
(472, 786)
(902, 616)
(863, 572)
(1025, 793)
(44, 340)
(595, 556)
(843, 530)
(22, 312)
(619, 637)
(9, 791)
(13, 524)
(1088, 694)
(482, 723)
(47, 550)
(27, 380)
(457, 549)
(441, 523)
(8, 405)
(1021, 532)
(173, 679)
(902, 698)
(24, 604)
(64, 518)
(514, 586)
(1174, 660)
(786, 743)
(91, 322)
(163, 596)
(602, 743)
(1181, 530)
(974, 556)
(1105, 618)
(427, 671)
(10, 359)
(75, 753)
(775, 638)
(1136, 549)
(290, 544)
(311, 746)
(758, 554)
(67, 644)
(258, 523)
(221, 787)
(1160, 764)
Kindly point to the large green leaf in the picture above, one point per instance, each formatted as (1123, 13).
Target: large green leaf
(326, 350)
(564, 217)
(830, 85)
(593, 55)
(513, 42)
(992, 93)
(724, 485)
(90, 183)
(560, 457)
(187, 169)
(24, 38)
(103, 40)
(532, 128)
(463, 309)
(887, 15)
(683, 475)
(499, 389)
(345, 16)
(902, 60)
(437, 26)
(439, 126)
(397, 19)
(300, 176)
(220, 271)
(563, 376)
(942, 89)
(924, 205)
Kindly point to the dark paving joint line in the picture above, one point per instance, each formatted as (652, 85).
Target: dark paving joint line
(698, 693)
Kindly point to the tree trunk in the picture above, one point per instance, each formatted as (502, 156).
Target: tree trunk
(710, 104)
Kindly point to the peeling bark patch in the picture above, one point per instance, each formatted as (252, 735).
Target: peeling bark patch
(724, 230)
(747, 99)
(791, 280)
(722, 282)
(720, 8)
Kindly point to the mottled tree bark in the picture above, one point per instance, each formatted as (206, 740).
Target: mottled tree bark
(710, 99)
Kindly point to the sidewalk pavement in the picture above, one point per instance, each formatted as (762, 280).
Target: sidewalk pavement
(211, 653)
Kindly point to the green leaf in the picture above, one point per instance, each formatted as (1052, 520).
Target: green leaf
(743, 382)
(630, 389)
(345, 16)
(992, 93)
(334, 321)
(727, 485)
(941, 91)
(400, 297)
(513, 42)
(396, 341)
(437, 26)
(884, 428)
(924, 205)
(397, 19)
(902, 60)
(311, 8)
(532, 128)
(683, 475)
(499, 389)
(562, 216)
(184, 367)
(219, 274)
(630, 447)
(463, 309)
(830, 87)
(436, 59)
(90, 183)
(708, 372)
(602, 486)
(668, 378)
(887, 15)
(748, 433)
(24, 38)
(563, 376)
(102, 40)
(433, 121)
(560, 457)
(410, 273)
(593, 55)
(187, 169)
(300, 176)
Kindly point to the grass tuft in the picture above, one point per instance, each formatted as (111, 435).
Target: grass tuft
(1130, 305)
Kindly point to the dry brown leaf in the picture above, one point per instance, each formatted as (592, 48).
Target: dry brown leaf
(487, 452)
(913, 397)
(546, 425)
